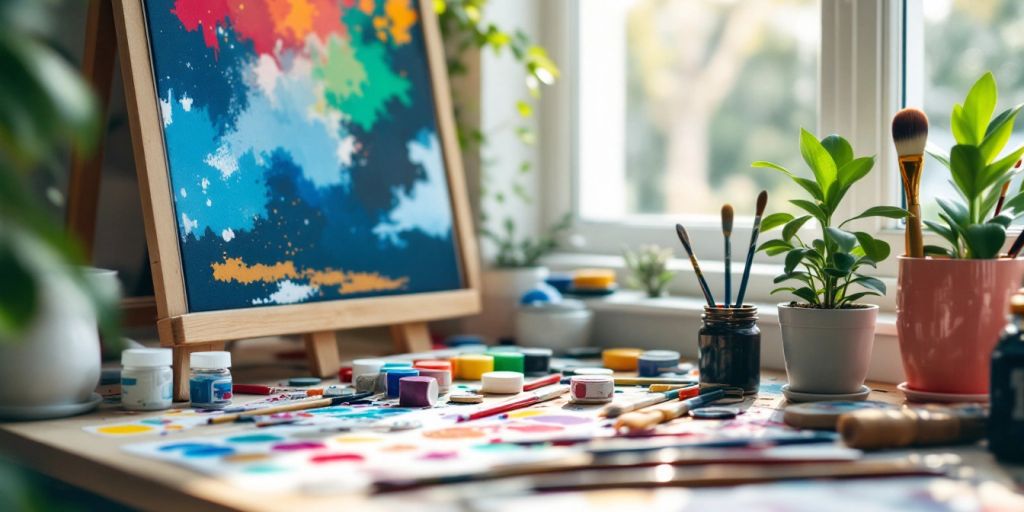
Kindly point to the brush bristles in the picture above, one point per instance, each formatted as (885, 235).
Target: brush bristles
(727, 215)
(683, 237)
(910, 132)
(762, 202)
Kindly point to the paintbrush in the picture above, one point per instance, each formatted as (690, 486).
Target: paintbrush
(300, 405)
(646, 381)
(1017, 244)
(910, 134)
(685, 239)
(519, 402)
(646, 419)
(1002, 193)
(726, 233)
(762, 202)
(618, 409)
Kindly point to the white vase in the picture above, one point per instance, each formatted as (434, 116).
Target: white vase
(56, 361)
(827, 351)
(499, 296)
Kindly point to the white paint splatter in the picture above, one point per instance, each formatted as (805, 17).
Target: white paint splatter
(183, 192)
(426, 206)
(188, 223)
(165, 109)
(267, 72)
(228, 234)
(346, 148)
(209, 202)
(288, 292)
(186, 103)
(223, 161)
(205, 184)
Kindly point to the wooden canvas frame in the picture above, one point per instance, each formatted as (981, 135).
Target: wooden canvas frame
(187, 332)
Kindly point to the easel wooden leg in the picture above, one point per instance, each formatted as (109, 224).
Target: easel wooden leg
(414, 337)
(322, 351)
(181, 365)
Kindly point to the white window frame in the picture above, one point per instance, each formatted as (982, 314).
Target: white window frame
(861, 85)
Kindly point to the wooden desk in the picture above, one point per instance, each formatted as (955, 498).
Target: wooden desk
(60, 448)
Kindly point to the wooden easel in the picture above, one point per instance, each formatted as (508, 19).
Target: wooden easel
(101, 47)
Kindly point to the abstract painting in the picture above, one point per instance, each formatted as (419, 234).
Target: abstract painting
(303, 150)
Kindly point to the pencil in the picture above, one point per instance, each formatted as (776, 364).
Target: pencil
(301, 405)
(541, 382)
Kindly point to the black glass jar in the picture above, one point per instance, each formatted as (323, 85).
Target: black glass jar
(729, 345)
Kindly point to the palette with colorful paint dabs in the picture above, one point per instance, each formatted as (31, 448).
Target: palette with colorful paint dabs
(347, 448)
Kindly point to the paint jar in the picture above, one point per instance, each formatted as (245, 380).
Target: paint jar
(729, 344)
(555, 325)
(1006, 417)
(209, 385)
(146, 380)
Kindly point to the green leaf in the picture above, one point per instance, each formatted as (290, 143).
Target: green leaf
(962, 131)
(811, 187)
(1003, 219)
(1015, 203)
(966, 165)
(793, 259)
(934, 250)
(854, 170)
(783, 289)
(775, 244)
(870, 283)
(996, 170)
(818, 159)
(938, 154)
(799, 276)
(844, 261)
(844, 240)
(943, 231)
(979, 106)
(18, 295)
(524, 109)
(998, 133)
(793, 226)
(806, 294)
(812, 209)
(839, 148)
(956, 211)
(985, 240)
(890, 212)
(876, 250)
(774, 220)
(854, 296)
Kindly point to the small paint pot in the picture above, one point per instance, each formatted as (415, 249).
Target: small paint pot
(394, 375)
(345, 374)
(536, 360)
(502, 383)
(433, 364)
(417, 391)
(557, 325)
(621, 359)
(653, 363)
(396, 364)
(508, 361)
(443, 378)
(591, 371)
(473, 366)
(367, 382)
(592, 389)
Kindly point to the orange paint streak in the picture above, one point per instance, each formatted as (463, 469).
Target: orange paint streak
(402, 17)
(235, 269)
(367, 6)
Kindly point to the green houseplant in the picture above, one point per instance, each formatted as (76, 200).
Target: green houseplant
(827, 338)
(972, 296)
(49, 304)
(648, 269)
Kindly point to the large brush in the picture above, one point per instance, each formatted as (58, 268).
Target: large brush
(910, 134)
(762, 202)
(727, 214)
(685, 239)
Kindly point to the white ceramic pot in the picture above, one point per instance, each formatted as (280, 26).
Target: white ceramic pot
(57, 360)
(502, 288)
(558, 326)
(827, 351)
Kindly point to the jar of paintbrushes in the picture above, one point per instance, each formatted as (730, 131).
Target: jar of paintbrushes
(729, 346)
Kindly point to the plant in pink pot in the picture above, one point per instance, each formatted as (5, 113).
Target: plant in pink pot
(952, 303)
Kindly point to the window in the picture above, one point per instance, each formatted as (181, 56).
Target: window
(832, 66)
(962, 40)
(678, 97)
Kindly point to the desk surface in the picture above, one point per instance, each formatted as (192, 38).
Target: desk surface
(62, 449)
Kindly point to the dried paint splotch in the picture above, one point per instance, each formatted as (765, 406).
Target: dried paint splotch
(303, 150)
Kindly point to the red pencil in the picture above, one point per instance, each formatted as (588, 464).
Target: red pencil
(554, 378)
(517, 403)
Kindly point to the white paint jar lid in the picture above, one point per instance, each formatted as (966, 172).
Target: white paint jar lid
(210, 360)
(146, 357)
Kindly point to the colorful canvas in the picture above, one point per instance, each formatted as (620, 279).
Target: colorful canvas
(303, 149)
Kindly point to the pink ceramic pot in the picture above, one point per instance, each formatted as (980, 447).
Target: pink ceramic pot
(949, 316)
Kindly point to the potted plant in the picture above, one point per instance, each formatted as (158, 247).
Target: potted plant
(515, 266)
(827, 335)
(648, 269)
(953, 303)
(49, 302)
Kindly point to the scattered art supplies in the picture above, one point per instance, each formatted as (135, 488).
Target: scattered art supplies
(209, 384)
(883, 428)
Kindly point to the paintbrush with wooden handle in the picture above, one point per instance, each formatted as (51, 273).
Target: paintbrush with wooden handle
(910, 134)
(727, 215)
(762, 202)
(685, 239)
